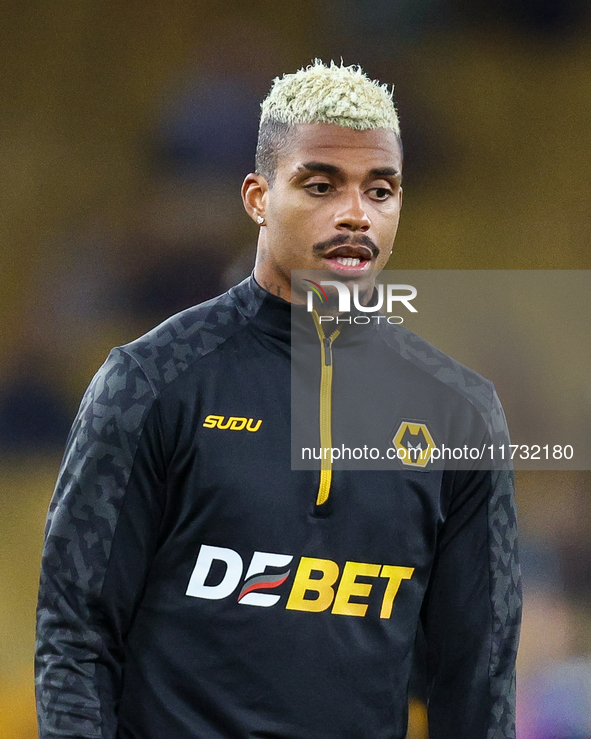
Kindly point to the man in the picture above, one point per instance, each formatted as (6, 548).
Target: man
(194, 585)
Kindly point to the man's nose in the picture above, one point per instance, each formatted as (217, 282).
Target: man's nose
(352, 214)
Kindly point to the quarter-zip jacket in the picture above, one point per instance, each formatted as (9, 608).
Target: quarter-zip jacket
(194, 586)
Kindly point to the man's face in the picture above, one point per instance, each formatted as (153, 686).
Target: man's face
(334, 205)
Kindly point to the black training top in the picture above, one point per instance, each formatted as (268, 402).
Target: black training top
(195, 586)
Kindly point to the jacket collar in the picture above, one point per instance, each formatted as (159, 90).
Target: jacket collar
(275, 316)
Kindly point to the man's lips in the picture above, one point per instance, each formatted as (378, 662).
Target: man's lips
(355, 251)
(349, 257)
(346, 252)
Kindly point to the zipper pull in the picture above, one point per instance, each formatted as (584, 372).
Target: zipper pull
(327, 351)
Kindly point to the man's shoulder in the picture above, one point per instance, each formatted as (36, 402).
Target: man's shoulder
(440, 366)
(172, 347)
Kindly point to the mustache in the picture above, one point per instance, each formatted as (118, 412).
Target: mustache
(342, 239)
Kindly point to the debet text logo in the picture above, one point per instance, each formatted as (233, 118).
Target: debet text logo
(218, 574)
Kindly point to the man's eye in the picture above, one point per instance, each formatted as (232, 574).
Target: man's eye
(318, 188)
(380, 193)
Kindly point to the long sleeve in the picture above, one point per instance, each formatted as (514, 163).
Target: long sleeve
(472, 610)
(100, 537)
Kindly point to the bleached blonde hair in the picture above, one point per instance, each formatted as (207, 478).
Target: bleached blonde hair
(345, 96)
(337, 94)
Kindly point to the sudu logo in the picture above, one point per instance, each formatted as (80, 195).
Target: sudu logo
(234, 423)
(392, 296)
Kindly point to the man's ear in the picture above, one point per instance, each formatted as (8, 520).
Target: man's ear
(254, 196)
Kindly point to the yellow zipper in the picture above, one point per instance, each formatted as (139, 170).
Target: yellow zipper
(325, 410)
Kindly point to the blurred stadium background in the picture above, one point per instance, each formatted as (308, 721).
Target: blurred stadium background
(126, 130)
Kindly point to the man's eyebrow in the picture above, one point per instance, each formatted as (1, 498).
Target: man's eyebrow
(322, 167)
(385, 172)
(331, 169)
